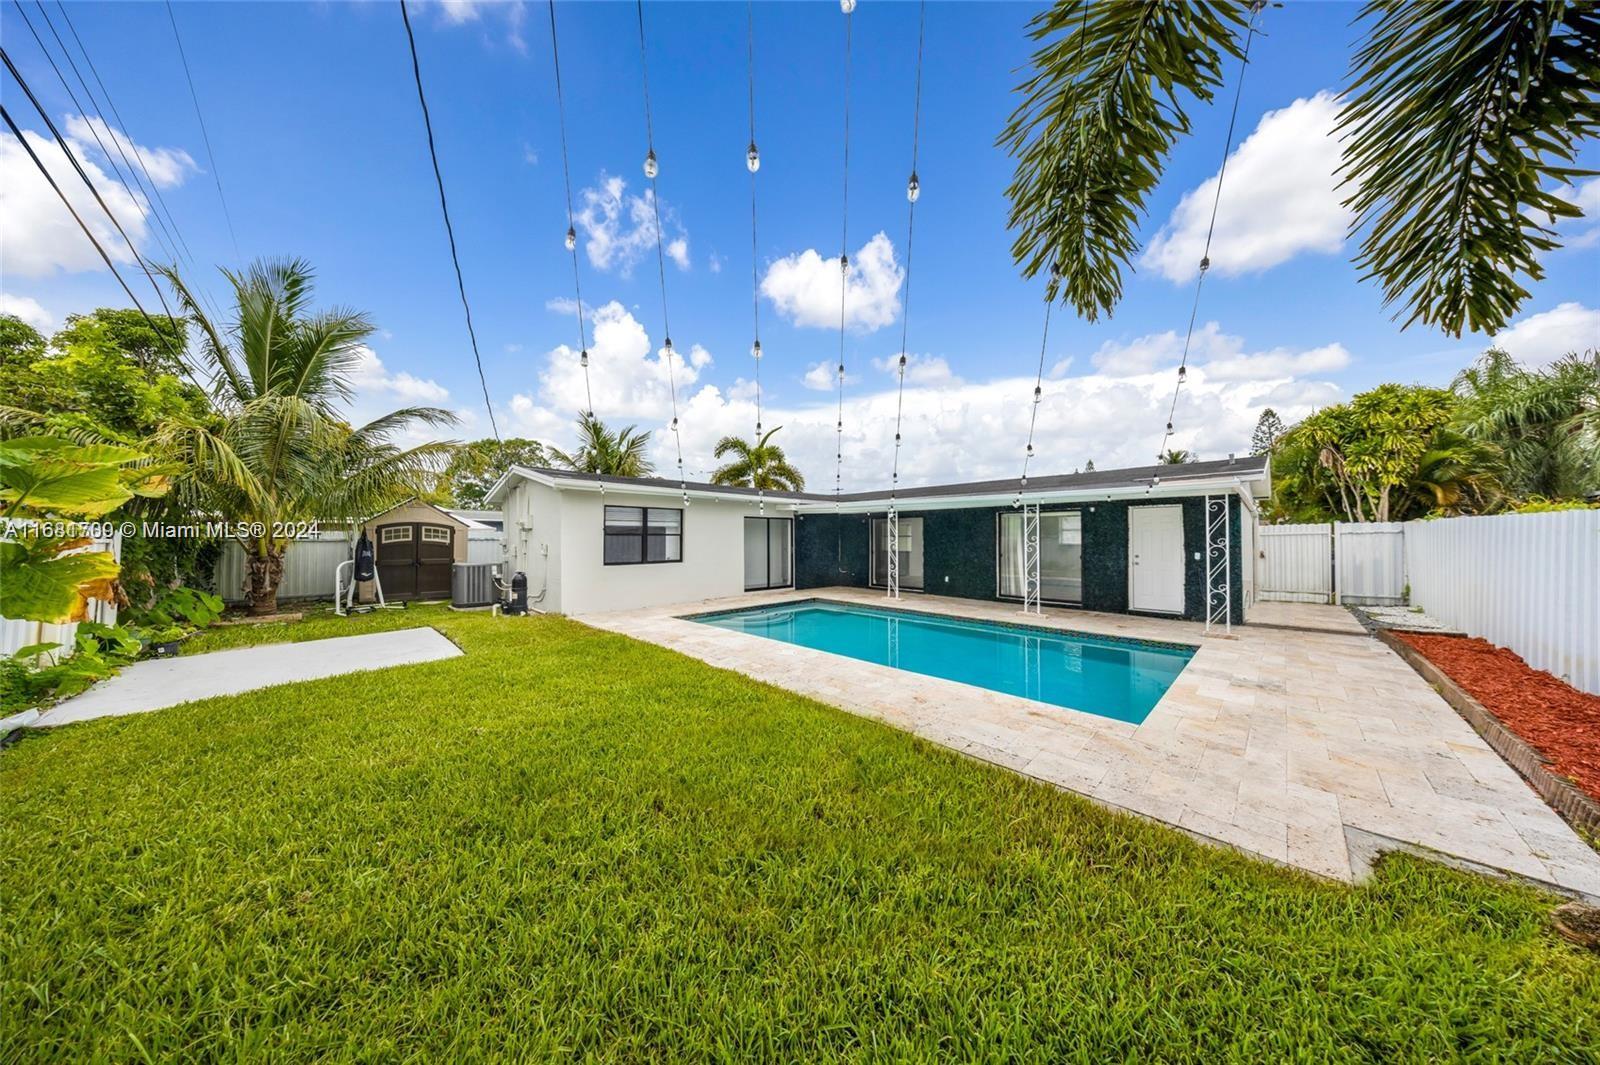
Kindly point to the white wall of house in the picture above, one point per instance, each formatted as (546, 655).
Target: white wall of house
(570, 524)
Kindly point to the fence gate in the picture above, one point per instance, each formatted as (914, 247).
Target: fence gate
(1341, 562)
(1296, 564)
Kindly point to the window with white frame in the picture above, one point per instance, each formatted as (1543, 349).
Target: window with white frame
(435, 534)
(395, 534)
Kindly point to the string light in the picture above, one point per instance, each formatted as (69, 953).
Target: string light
(752, 162)
(847, 6)
(651, 169)
(1205, 258)
(913, 191)
(571, 240)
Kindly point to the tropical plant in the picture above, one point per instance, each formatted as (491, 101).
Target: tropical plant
(1546, 422)
(108, 378)
(48, 486)
(619, 453)
(760, 465)
(1460, 123)
(1178, 456)
(282, 452)
(1389, 454)
(475, 467)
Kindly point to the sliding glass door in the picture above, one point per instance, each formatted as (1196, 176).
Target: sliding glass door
(768, 553)
(910, 553)
(1060, 556)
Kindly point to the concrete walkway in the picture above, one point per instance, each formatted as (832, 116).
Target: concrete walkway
(159, 683)
(1298, 738)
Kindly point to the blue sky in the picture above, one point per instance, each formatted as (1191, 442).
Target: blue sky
(319, 145)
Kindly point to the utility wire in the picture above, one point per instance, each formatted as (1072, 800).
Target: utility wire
(205, 136)
(94, 131)
(444, 208)
(65, 202)
(651, 169)
(1211, 228)
(572, 232)
(154, 190)
(72, 158)
(913, 192)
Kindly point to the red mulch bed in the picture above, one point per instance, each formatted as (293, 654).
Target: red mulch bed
(1559, 721)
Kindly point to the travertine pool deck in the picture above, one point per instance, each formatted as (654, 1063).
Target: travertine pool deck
(1299, 738)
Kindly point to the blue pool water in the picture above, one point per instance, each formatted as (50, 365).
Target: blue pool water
(1119, 679)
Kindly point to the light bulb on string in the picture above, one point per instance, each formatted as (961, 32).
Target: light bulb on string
(572, 238)
(913, 188)
(1182, 373)
(651, 167)
(583, 358)
(755, 350)
(752, 158)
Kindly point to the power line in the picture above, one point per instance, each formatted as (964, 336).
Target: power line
(913, 192)
(94, 131)
(572, 232)
(1211, 228)
(848, 7)
(651, 169)
(154, 188)
(44, 170)
(444, 208)
(205, 136)
(66, 150)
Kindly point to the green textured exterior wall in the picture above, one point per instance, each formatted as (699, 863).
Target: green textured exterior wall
(960, 547)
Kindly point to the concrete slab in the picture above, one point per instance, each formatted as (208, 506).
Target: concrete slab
(159, 683)
(1298, 738)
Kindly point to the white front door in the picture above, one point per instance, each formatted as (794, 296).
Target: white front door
(1155, 559)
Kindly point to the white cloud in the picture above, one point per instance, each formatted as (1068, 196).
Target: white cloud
(1545, 337)
(1581, 232)
(920, 369)
(29, 310)
(952, 430)
(37, 234)
(530, 155)
(372, 377)
(620, 229)
(1280, 198)
(805, 287)
(167, 167)
(714, 262)
(1278, 363)
(820, 376)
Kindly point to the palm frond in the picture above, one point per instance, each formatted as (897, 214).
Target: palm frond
(1099, 115)
(1461, 119)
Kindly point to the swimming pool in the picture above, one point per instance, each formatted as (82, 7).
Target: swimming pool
(1121, 679)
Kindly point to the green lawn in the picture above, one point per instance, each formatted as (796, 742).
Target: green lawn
(568, 843)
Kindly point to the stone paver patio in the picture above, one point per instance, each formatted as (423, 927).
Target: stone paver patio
(1299, 738)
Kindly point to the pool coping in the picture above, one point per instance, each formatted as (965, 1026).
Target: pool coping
(1019, 626)
(1299, 740)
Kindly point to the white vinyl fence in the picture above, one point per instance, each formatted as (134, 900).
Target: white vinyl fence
(1339, 562)
(485, 545)
(1530, 582)
(307, 568)
(309, 564)
(15, 635)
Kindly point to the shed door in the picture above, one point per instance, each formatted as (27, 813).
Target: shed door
(414, 560)
(436, 553)
(1155, 559)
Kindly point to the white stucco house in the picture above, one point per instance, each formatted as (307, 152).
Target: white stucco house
(1131, 540)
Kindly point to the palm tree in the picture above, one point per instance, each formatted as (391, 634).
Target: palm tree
(1178, 457)
(600, 450)
(760, 465)
(1459, 122)
(279, 450)
(1546, 422)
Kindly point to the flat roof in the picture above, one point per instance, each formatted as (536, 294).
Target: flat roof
(1172, 476)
